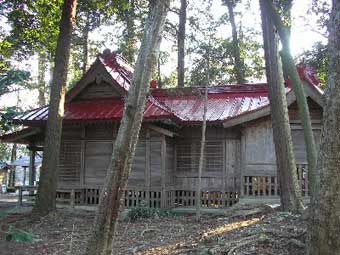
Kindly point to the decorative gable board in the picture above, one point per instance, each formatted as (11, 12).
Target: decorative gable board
(94, 90)
(96, 83)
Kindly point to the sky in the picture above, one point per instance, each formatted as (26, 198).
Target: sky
(303, 37)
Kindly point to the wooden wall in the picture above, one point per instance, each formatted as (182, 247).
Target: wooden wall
(221, 162)
(234, 156)
(86, 153)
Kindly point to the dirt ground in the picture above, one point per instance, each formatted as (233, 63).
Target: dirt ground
(240, 230)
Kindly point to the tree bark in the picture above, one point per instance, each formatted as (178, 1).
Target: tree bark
(299, 92)
(100, 241)
(238, 61)
(86, 44)
(129, 34)
(202, 150)
(42, 66)
(181, 44)
(286, 167)
(48, 180)
(11, 178)
(323, 234)
(159, 74)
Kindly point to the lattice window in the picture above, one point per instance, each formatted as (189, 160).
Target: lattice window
(188, 153)
(69, 163)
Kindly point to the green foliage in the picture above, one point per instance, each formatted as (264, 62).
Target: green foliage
(5, 154)
(318, 59)
(11, 78)
(221, 61)
(34, 27)
(20, 235)
(6, 115)
(322, 10)
(146, 212)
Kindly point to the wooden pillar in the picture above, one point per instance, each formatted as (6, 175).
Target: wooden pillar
(31, 170)
(242, 164)
(24, 181)
(20, 197)
(72, 198)
(225, 174)
(147, 167)
(163, 173)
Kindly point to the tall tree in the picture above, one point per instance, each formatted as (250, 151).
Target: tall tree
(285, 161)
(323, 234)
(33, 30)
(128, 46)
(48, 180)
(238, 60)
(42, 67)
(100, 241)
(299, 92)
(198, 199)
(181, 43)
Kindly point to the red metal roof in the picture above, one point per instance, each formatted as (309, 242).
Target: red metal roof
(100, 109)
(182, 105)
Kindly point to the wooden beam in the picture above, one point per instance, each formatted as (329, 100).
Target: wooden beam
(162, 131)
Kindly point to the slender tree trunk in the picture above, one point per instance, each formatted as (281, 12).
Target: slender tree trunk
(202, 150)
(181, 43)
(285, 161)
(86, 44)
(238, 61)
(129, 35)
(159, 74)
(42, 67)
(299, 92)
(323, 234)
(100, 241)
(11, 178)
(48, 180)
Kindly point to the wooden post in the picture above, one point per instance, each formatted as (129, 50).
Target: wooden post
(163, 172)
(242, 164)
(24, 181)
(82, 156)
(20, 196)
(72, 198)
(225, 174)
(147, 167)
(31, 170)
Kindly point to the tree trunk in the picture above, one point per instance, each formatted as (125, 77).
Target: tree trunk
(285, 161)
(323, 234)
(159, 74)
(11, 178)
(42, 66)
(202, 149)
(48, 180)
(129, 35)
(100, 241)
(86, 44)
(299, 92)
(181, 43)
(238, 61)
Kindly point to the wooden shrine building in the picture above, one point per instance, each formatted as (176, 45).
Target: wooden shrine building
(240, 154)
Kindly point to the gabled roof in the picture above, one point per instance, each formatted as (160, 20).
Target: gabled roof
(228, 105)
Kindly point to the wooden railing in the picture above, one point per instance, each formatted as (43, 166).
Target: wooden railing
(268, 186)
(153, 199)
